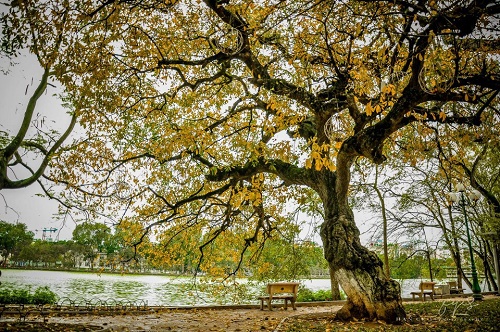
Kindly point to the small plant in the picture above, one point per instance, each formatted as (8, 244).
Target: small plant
(42, 295)
(21, 296)
(307, 295)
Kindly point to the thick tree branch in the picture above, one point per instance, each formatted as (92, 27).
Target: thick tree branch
(290, 174)
(43, 165)
(16, 142)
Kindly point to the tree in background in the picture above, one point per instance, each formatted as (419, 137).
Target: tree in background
(13, 237)
(477, 166)
(420, 188)
(216, 114)
(95, 239)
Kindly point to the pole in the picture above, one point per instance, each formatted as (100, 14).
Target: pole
(497, 266)
(476, 289)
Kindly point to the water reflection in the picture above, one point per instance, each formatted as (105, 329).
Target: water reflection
(154, 289)
(129, 289)
(84, 287)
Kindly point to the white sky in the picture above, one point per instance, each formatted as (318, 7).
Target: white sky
(22, 205)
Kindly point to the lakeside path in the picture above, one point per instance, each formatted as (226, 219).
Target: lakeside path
(193, 320)
(223, 318)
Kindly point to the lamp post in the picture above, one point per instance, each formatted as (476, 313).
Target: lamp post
(474, 195)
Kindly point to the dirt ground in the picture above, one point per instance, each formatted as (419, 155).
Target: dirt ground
(228, 320)
(192, 320)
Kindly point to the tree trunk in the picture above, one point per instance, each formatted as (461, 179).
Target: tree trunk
(371, 294)
(384, 221)
(334, 285)
(454, 247)
(489, 252)
(428, 255)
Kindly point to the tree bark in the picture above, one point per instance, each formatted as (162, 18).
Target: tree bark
(371, 294)
(428, 255)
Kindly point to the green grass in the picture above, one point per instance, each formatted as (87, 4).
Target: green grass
(429, 316)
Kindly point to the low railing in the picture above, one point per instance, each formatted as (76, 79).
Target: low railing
(73, 306)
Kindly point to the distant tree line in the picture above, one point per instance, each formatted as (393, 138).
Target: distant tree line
(95, 245)
(91, 243)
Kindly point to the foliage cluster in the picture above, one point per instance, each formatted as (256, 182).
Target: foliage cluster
(41, 295)
(48, 254)
(13, 237)
(415, 267)
(89, 240)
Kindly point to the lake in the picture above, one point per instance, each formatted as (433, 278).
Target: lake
(155, 290)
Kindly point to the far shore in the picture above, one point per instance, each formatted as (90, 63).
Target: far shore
(125, 272)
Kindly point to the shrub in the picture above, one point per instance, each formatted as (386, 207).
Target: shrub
(21, 296)
(307, 295)
(42, 295)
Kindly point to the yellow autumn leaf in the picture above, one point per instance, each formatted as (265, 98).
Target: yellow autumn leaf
(308, 163)
(318, 164)
(369, 108)
(442, 116)
(315, 155)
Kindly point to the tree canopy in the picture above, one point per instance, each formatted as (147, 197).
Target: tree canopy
(12, 238)
(215, 116)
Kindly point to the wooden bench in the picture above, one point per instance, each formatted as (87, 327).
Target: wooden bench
(425, 288)
(454, 288)
(288, 291)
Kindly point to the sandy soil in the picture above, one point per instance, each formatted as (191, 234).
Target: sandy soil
(242, 320)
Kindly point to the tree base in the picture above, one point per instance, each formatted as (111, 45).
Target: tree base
(389, 313)
(370, 297)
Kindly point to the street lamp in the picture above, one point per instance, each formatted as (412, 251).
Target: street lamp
(459, 198)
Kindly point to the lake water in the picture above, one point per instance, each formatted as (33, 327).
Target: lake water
(153, 289)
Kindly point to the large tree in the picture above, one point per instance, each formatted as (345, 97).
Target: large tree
(215, 114)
